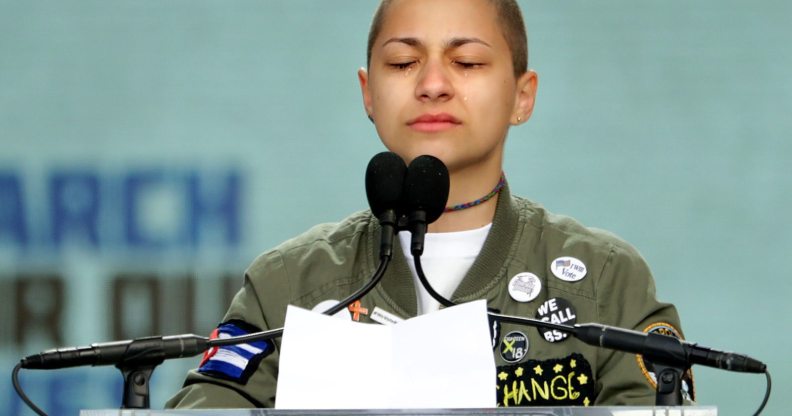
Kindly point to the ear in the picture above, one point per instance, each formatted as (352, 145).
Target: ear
(363, 79)
(525, 98)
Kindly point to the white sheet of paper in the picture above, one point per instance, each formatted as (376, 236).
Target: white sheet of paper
(439, 360)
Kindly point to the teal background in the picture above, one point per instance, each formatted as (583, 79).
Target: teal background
(664, 122)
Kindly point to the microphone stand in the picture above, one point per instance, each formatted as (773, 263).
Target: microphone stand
(137, 373)
(669, 358)
(668, 355)
(425, 195)
(137, 358)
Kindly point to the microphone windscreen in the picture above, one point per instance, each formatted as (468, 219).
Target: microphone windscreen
(426, 187)
(385, 182)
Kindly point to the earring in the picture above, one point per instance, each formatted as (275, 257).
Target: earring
(519, 119)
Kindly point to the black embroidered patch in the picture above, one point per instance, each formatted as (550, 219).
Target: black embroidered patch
(494, 325)
(557, 311)
(555, 382)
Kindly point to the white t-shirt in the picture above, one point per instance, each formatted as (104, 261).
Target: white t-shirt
(446, 259)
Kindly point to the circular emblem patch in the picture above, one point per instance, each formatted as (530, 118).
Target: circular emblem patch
(568, 269)
(514, 347)
(525, 287)
(557, 311)
(647, 367)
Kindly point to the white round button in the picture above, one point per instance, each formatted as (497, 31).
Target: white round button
(525, 287)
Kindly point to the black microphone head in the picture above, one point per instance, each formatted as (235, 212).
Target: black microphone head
(385, 182)
(426, 187)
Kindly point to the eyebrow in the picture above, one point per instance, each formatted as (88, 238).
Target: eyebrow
(453, 43)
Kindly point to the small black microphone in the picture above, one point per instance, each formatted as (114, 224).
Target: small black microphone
(426, 188)
(384, 184)
(665, 349)
(149, 350)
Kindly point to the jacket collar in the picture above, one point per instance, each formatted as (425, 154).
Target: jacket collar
(397, 285)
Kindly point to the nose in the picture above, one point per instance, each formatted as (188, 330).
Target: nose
(434, 83)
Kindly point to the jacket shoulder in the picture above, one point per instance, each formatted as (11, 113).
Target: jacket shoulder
(318, 237)
(566, 229)
(327, 255)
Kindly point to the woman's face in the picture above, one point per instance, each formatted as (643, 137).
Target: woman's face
(441, 82)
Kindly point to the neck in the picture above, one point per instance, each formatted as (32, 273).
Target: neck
(466, 187)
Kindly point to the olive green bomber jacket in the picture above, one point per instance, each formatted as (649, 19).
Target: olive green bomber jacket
(330, 261)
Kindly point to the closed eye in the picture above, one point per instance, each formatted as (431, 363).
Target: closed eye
(402, 65)
(469, 65)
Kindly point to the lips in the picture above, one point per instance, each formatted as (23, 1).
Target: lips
(434, 122)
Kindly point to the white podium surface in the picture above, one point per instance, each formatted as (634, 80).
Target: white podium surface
(532, 411)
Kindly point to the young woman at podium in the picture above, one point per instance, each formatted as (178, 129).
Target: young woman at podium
(450, 78)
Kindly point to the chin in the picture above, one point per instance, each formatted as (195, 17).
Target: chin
(440, 152)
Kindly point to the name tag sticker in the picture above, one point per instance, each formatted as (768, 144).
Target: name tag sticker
(384, 317)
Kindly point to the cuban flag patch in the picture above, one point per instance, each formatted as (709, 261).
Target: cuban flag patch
(234, 362)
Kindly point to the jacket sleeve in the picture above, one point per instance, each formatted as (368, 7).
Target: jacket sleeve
(626, 298)
(264, 280)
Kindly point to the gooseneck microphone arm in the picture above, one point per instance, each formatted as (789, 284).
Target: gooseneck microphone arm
(385, 175)
(150, 350)
(137, 358)
(275, 333)
(671, 355)
(426, 193)
(425, 196)
(384, 182)
(426, 188)
(363, 291)
(660, 349)
(426, 285)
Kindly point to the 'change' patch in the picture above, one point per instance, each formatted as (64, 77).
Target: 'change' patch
(556, 382)
(234, 362)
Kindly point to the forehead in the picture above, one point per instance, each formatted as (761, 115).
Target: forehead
(441, 20)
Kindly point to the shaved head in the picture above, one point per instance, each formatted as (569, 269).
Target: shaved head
(510, 21)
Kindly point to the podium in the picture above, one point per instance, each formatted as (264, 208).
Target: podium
(527, 411)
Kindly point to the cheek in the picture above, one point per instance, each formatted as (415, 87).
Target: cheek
(384, 119)
(384, 104)
(383, 113)
(490, 105)
(389, 105)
